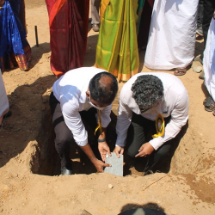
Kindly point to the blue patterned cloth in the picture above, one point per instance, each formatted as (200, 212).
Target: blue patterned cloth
(12, 33)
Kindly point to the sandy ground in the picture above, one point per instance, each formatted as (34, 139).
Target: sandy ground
(26, 148)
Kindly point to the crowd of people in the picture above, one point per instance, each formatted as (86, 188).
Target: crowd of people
(153, 107)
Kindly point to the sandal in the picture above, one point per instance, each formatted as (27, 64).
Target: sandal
(180, 72)
(209, 104)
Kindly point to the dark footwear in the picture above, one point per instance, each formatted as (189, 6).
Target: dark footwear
(209, 104)
(202, 75)
(180, 72)
(149, 172)
(214, 113)
(8, 114)
(95, 27)
(65, 171)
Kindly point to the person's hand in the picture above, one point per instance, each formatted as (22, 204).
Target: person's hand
(99, 165)
(104, 149)
(214, 14)
(145, 150)
(118, 150)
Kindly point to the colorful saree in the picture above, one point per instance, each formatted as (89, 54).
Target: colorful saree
(68, 22)
(14, 46)
(117, 50)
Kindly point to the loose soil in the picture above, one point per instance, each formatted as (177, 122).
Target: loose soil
(29, 165)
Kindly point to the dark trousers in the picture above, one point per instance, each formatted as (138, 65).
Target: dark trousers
(140, 132)
(145, 24)
(208, 10)
(64, 137)
(200, 14)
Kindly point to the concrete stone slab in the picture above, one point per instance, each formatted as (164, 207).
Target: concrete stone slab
(117, 164)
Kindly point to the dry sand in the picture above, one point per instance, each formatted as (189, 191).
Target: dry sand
(26, 149)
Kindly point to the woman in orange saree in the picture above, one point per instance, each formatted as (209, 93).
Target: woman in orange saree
(117, 50)
(68, 22)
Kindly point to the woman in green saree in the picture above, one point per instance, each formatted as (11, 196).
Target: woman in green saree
(117, 49)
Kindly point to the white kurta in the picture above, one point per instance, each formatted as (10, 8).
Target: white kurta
(209, 60)
(172, 34)
(4, 104)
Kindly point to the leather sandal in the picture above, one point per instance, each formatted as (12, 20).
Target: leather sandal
(209, 104)
(180, 72)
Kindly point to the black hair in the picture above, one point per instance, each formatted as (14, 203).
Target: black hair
(147, 90)
(103, 90)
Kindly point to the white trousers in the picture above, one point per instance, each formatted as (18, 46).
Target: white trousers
(172, 34)
(209, 60)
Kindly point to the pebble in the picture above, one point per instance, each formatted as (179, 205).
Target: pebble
(110, 186)
(84, 212)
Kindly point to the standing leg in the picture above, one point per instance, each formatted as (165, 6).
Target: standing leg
(208, 10)
(95, 4)
(199, 30)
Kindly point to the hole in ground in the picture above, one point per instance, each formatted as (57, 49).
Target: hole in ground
(47, 162)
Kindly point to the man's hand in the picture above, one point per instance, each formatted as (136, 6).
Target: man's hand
(214, 14)
(118, 150)
(100, 165)
(145, 150)
(103, 149)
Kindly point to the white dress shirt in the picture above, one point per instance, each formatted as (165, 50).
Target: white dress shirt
(70, 91)
(175, 102)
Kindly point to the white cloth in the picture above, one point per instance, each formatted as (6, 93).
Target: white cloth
(209, 60)
(70, 91)
(175, 103)
(4, 104)
(172, 34)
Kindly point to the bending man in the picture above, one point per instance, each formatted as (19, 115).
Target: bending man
(145, 99)
(78, 96)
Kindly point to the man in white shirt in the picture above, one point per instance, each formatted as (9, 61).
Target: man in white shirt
(145, 97)
(74, 94)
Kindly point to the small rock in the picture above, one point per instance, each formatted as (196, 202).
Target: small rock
(197, 69)
(84, 212)
(110, 186)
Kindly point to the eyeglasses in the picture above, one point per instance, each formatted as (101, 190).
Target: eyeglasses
(142, 110)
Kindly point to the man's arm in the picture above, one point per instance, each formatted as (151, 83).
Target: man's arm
(99, 165)
(105, 120)
(179, 117)
(123, 123)
(74, 122)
